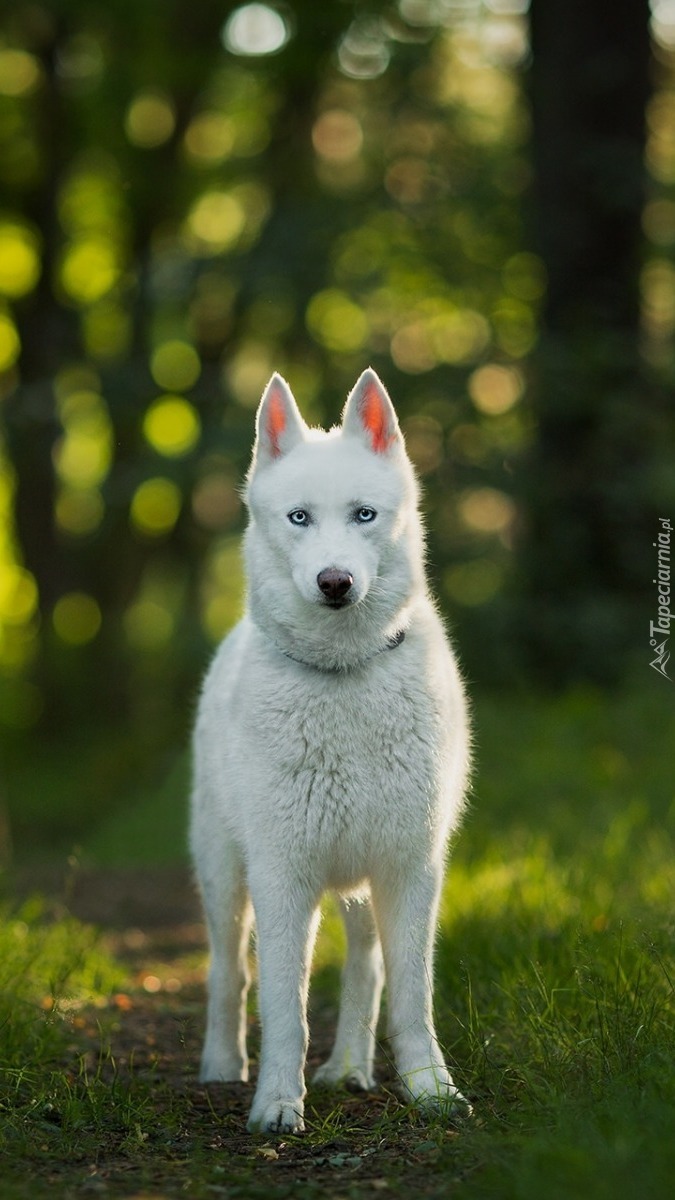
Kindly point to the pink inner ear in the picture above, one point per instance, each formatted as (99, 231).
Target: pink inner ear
(276, 421)
(374, 415)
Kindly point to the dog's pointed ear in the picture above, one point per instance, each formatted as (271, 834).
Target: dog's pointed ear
(279, 425)
(369, 414)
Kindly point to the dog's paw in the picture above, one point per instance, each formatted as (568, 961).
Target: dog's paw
(433, 1091)
(355, 1079)
(448, 1103)
(277, 1116)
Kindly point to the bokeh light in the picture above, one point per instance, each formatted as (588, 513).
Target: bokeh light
(20, 72)
(79, 510)
(90, 200)
(215, 501)
(217, 221)
(19, 259)
(424, 443)
(82, 456)
(229, 219)
(436, 331)
(210, 138)
(222, 588)
(420, 12)
(150, 119)
(155, 507)
(662, 23)
(255, 29)
(363, 52)
(516, 327)
(486, 510)
(19, 622)
(10, 343)
(76, 618)
(657, 285)
(80, 62)
(89, 269)
(660, 153)
(337, 136)
(18, 595)
(658, 221)
(148, 625)
(337, 322)
(151, 619)
(175, 365)
(248, 371)
(172, 426)
(495, 389)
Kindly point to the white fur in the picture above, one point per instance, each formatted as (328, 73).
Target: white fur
(326, 759)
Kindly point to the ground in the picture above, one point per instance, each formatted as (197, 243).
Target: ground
(148, 1041)
(554, 990)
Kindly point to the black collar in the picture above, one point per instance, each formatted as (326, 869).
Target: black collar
(391, 644)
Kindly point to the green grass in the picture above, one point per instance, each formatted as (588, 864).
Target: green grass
(50, 971)
(554, 993)
(557, 965)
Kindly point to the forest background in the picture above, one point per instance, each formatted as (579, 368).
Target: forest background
(475, 196)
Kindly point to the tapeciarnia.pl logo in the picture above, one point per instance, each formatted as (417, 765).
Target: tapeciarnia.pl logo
(661, 625)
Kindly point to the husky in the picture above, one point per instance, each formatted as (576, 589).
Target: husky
(331, 753)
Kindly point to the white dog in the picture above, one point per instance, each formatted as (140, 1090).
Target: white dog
(331, 752)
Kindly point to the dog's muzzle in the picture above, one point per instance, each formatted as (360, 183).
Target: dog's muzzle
(335, 586)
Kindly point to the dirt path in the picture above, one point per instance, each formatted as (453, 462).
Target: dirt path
(151, 1035)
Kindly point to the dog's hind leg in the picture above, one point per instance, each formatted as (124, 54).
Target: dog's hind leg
(351, 1061)
(229, 917)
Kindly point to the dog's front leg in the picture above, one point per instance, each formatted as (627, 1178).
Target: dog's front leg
(286, 923)
(406, 908)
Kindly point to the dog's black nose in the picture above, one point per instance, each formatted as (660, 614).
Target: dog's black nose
(334, 584)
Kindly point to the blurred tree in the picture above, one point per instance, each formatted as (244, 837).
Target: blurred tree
(194, 195)
(86, 190)
(589, 487)
(252, 188)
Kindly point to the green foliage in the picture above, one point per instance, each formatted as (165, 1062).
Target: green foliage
(50, 971)
(44, 964)
(179, 222)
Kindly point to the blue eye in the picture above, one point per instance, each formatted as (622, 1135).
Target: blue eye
(298, 517)
(364, 515)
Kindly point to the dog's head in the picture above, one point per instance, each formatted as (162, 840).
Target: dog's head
(335, 514)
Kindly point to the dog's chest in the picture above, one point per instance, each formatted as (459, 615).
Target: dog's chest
(350, 764)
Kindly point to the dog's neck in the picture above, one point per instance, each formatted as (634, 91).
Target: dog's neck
(391, 644)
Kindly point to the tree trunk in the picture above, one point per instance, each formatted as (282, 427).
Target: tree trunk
(585, 552)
